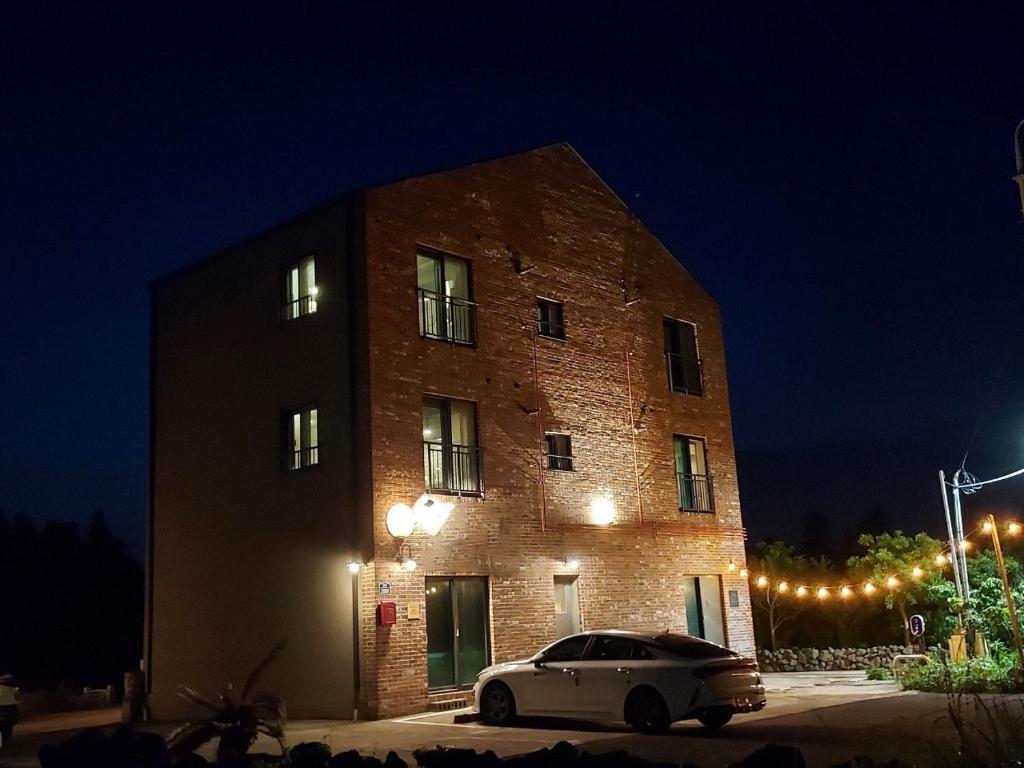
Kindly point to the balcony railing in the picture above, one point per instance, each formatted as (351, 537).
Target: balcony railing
(447, 318)
(307, 457)
(677, 375)
(306, 305)
(561, 463)
(452, 469)
(696, 493)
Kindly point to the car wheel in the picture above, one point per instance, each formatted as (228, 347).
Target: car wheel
(646, 711)
(497, 704)
(715, 718)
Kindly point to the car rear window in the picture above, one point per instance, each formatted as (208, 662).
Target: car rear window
(691, 647)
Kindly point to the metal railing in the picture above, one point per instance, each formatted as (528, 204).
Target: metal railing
(447, 318)
(307, 457)
(304, 305)
(696, 493)
(450, 468)
(551, 330)
(562, 463)
(677, 375)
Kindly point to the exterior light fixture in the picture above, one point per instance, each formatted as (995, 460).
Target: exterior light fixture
(822, 593)
(409, 564)
(744, 573)
(869, 588)
(572, 564)
(783, 586)
(762, 582)
(917, 572)
(1013, 529)
(354, 567)
(732, 566)
(845, 592)
(801, 591)
(314, 291)
(406, 559)
(400, 521)
(602, 511)
(965, 545)
(941, 560)
(892, 582)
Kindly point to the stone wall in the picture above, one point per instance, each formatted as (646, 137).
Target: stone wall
(828, 659)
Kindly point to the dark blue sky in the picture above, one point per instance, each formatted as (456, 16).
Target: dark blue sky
(836, 174)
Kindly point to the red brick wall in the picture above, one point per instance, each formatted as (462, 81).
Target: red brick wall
(549, 209)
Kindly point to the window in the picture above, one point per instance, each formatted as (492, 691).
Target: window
(447, 311)
(691, 647)
(301, 439)
(692, 477)
(451, 456)
(549, 319)
(682, 358)
(570, 649)
(610, 648)
(300, 289)
(559, 448)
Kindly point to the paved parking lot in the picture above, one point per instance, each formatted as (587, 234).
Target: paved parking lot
(830, 716)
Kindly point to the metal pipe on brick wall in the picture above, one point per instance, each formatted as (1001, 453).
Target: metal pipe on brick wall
(540, 438)
(632, 431)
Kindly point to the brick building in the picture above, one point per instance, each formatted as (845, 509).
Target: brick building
(505, 338)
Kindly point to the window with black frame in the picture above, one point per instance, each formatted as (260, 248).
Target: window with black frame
(451, 456)
(445, 294)
(550, 322)
(682, 357)
(300, 289)
(559, 451)
(301, 439)
(693, 480)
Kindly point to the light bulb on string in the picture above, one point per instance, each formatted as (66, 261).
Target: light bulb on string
(783, 586)
(762, 582)
(892, 582)
(869, 588)
(744, 573)
(965, 545)
(822, 593)
(801, 591)
(986, 527)
(941, 560)
(845, 592)
(1013, 528)
(917, 572)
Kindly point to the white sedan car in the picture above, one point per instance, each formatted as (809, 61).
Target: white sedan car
(647, 679)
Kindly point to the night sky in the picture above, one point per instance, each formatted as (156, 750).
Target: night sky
(836, 174)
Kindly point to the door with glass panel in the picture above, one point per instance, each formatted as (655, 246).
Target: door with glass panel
(692, 478)
(445, 297)
(451, 456)
(703, 596)
(458, 643)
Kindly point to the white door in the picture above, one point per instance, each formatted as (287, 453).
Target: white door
(567, 606)
(606, 675)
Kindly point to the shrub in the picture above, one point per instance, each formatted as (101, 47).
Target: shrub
(989, 675)
(879, 673)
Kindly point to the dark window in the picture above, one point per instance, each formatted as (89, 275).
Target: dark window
(559, 449)
(301, 439)
(451, 456)
(682, 358)
(445, 289)
(549, 319)
(570, 649)
(691, 647)
(693, 481)
(610, 648)
(300, 289)
(642, 653)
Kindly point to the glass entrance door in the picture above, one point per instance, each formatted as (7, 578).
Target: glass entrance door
(458, 646)
(704, 608)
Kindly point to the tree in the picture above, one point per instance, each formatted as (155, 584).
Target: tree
(894, 556)
(776, 562)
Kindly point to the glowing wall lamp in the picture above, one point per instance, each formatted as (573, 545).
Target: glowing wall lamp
(602, 511)
(431, 515)
(354, 567)
(400, 521)
(571, 563)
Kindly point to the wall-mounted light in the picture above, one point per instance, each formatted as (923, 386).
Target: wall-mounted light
(314, 291)
(409, 564)
(571, 563)
(353, 567)
(431, 515)
(732, 566)
(406, 559)
(400, 521)
(602, 510)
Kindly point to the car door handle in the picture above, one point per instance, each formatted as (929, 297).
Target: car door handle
(624, 670)
(569, 671)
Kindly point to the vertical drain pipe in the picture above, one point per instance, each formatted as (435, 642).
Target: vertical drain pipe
(540, 439)
(632, 429)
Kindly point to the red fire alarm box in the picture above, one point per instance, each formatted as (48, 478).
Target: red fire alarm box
(387, 614)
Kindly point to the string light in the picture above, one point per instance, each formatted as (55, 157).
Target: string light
(869, 588)
(1013, 528)
(744, 573)
(917, 572)
(965, 545)
(801, 591)
(822, 593)
(762, 582)
(986, 526)
(892, 582)
(845, 592)
(783, 586)
(941, 560)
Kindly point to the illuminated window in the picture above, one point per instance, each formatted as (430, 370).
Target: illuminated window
(559, 451)
(692, 478)
(451, 456)
(301, 441)
(549, 319)
(682, 357)
(300, 289)
(445, 288)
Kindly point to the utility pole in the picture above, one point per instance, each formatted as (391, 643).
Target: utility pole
(960, 556)
(952, 539)
(1018, 152)
(1014, 623)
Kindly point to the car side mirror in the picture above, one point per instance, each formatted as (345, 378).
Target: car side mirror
(539, 664)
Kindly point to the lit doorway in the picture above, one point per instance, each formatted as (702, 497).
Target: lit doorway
(458, 645)
(567, 606)
(704, 607)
